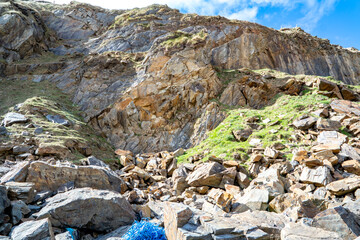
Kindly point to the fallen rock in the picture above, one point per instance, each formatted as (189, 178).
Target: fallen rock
(208, 174)
(12, 117)
(176, 215)
(97, 210)
(344, 186)
(242, 135)
(17, 174)
(305, 123)
(338, 220)
(331, 137)
(351, 166)
(221, 198)
(33, 230)
(319, 176)
(18, 210)
(344, 106)
(4, 201)
(327, 125)
(50, 177)
(24, 191)
(255, 199)
(299, 231)
(52, 149)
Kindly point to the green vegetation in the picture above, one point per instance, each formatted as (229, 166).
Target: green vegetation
(180, 38)
(40, 99)
(281, 113)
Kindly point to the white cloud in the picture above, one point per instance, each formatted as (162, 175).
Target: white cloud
(313, 10)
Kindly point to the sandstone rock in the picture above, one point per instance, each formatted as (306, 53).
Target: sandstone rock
(331, 137)
(255, 199)
(33, 230)
(343, 106)
(338, 220)
(49, 177)
(12, 117)
(52, 149)
(243, 180)
(208, 174)
(305, 123)
(97, 210)
(176, 216)
(179, 179)
(271, 153)
(21, 191)
(334, 147)
(221, 198)
(351, 166)
(242, 135)
(343, 186)
(297, 231)
(326, 155)
(320, 176)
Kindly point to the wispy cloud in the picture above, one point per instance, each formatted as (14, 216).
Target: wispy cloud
(249, 10)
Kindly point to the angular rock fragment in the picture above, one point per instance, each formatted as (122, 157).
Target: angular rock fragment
(12, 117)
(33, 230)
(319, 176)
(176, 216)
(344, 186)
(297, 231)
(96, 210)
(208, 174)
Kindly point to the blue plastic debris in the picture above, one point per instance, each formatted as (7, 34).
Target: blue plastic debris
(73, 233)
(145, 230)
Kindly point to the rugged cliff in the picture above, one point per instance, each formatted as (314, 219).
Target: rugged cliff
(143, 77)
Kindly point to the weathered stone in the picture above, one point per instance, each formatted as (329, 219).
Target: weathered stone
(176, 216)
(97, 210)
(114, 235)
(351, 166)
(179, 179)
(305, 123)
(3, 130)
(12, 117)
(33, 230)
(49, 177)
(334, 147)
(338, 220)
(208, 174)
(57, 119)
(255, 199)
(24, 191)
(326, 155)
(349, 152)
(243, 180)
(4, 201)
(319, 176)
(18, 210)
(271, 153)
(343, 106)
(52, 149)
(297, 231)
(331, 137)
(344, 186)
(242, 135)
(64, 236)
(327, 125)
(221, 198)
(17, 174)
(270, 181)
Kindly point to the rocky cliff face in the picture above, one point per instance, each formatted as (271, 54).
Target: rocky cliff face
(144, 77)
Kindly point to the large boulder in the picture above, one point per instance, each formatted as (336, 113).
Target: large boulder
(208, 174)
(319, 176)
(51, 177)
(96, 210)
(33, 230)
(339, 220)
(24, 191)
(298, 231)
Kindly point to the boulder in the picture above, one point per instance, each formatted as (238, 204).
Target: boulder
(344, 106)
(12, 117)
(17, 174)
(338, 220)
(299, 231)
(51, 177)
(57, 119)
(348, 151)
(45, 149)
(96, 210)
(179, 179)
(176, 215)
(331, 137)
(319, 176)
(327, 125)
(344, 186)
(208, 174)
(33, 230)
(221, 198)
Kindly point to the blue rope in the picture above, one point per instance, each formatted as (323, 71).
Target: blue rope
(72, 233)
(144, 230)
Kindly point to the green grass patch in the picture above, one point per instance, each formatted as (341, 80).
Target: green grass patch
(283, 110)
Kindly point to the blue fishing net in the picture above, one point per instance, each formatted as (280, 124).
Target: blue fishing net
(144, 230)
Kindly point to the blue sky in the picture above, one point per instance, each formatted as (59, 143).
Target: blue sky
(336, 20)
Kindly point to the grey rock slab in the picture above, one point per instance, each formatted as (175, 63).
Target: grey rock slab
(344, 186)
(305, 123)
(18, 210)
(115, 235)
(17, 174)
(339, 220)
(298, 231)
(319, 176)
(57, 119)
(33, 230)
(97, 210)
(4, 200)
(3, 130)
(12, 117)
